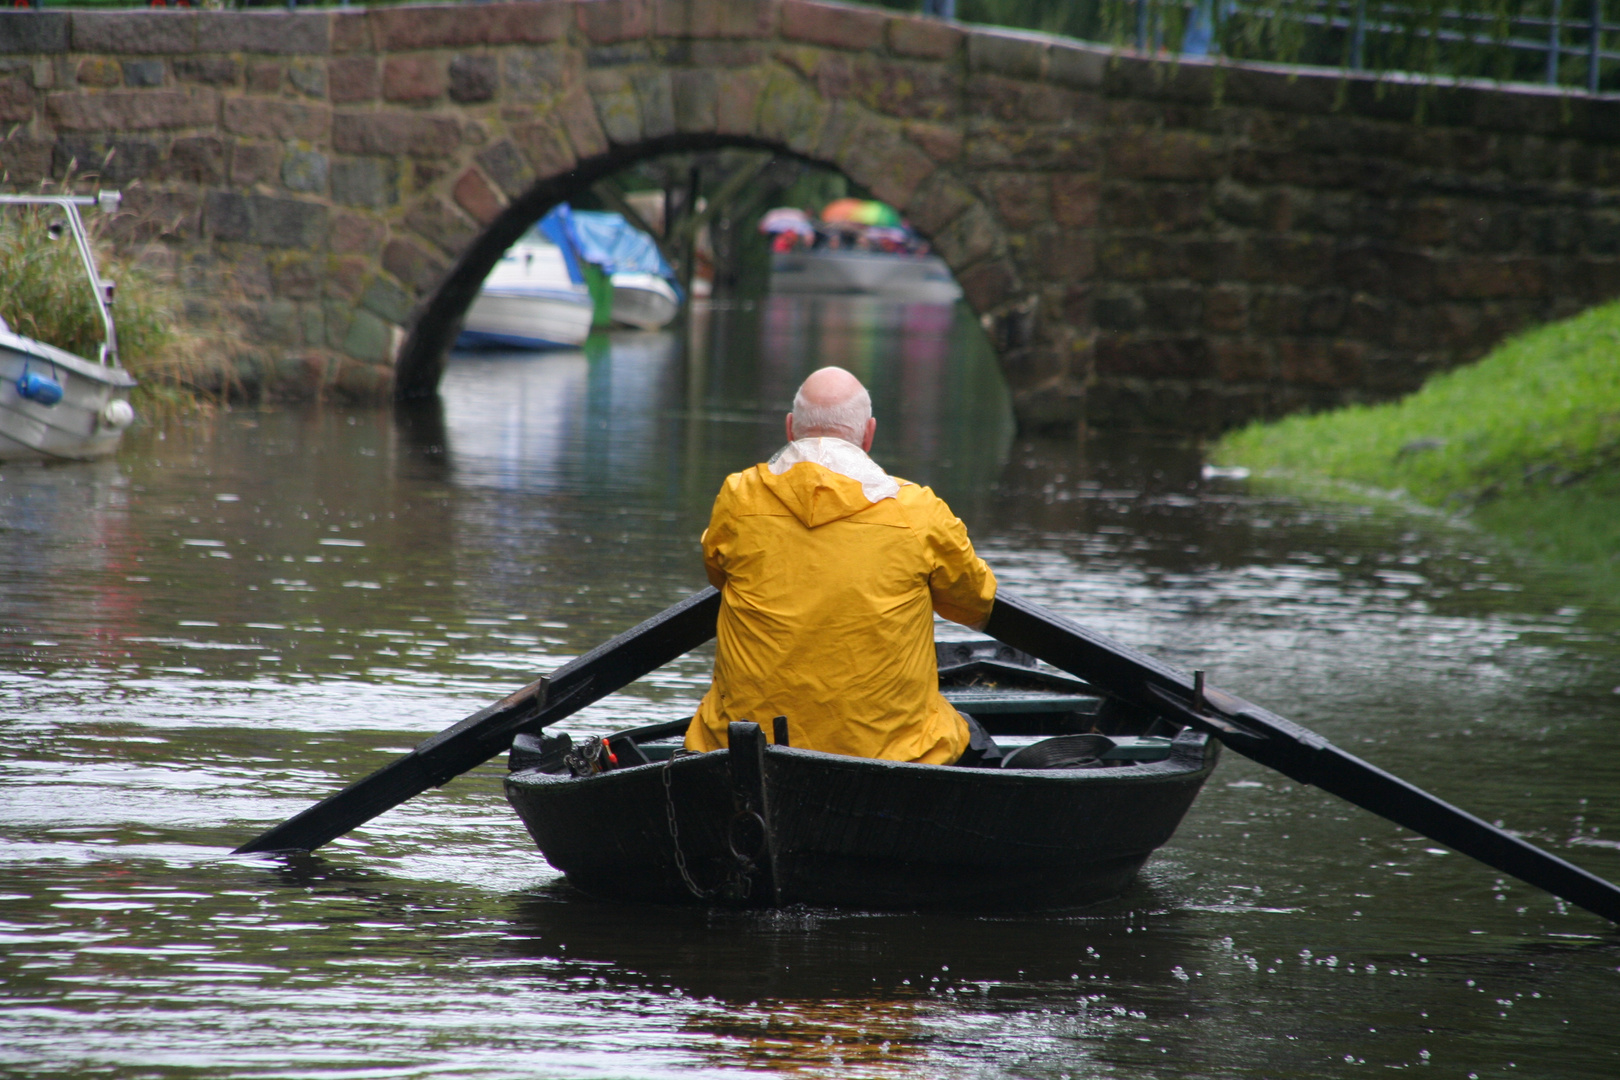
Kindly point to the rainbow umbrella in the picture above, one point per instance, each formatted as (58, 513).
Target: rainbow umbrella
(860, 212)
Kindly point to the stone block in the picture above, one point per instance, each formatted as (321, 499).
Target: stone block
(579, 119)
(473, 79)
(1115, 310)
(415, 266)
(141, 32)
(1173, 308)
(1319, 362)
(1075, 199)
(35, 32)
(198, 159)
(353, 78)
(477, 196)
(540, 74)
(1054, 407)
(133, 110)
(1077, 66)
(606, 22)
(143, 73)
(1064, 254)
(255, 163)
(305, 171)
(1277, 312)
(288, 121)
(1483, 277)
(737, 101)
(292, 33)
(1168, 155)
(308, 77)
(359, 382)
(506, 165)
(453, 26)
(150, 213)
(24, 158)
(696, 96)
(351, 31)
(344, 276)
(1239, 360)
(988, 284)
(1157, 207)
(367, 182)
(657, 100)
(941, 142)
(617, 108)
(1022, 199)
(208, 70)
(1226, 310)
(396, 133)
(413, 78)
(905, 88)
(1009, 146)
(714, 18)
(1006, 52)
(937, 202)
(356, 233)
(116, 160)
(1290, 260)
(828, 24)
(927, 39)
(296, 275)
(264, 77)
(546, 147)
(367, 337)
(1023, 104)
(888, 164)
(1153, 357)
(98, 71)
(972, 236)
(790, 112)
(387, 300)
(16, 101)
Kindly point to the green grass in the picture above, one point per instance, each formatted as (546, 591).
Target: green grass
(1526, 443)
(44, 294)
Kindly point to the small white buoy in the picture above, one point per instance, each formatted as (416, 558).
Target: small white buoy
(118, 414)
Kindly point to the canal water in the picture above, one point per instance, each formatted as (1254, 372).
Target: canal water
(237, 616)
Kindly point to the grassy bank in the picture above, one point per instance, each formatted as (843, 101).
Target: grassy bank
(44, 295)
(1526, 443)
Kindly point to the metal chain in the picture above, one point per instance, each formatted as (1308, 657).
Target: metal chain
(675, 834)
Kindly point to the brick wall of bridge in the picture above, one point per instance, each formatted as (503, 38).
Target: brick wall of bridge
(1145, 251)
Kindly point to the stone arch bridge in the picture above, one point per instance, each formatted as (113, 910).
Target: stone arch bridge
(1149, 247)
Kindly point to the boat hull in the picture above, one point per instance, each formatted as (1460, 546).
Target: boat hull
(922, 279)
(75, 428)
(644, 301)
(853, 832)
(528, 320)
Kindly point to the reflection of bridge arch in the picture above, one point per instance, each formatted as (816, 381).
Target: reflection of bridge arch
(1141, 252)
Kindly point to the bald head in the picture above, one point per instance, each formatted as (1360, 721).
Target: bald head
(832, 403)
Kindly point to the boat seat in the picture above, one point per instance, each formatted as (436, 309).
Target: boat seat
(1061, 752)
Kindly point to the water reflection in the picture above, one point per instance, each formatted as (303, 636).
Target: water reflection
(236, 617)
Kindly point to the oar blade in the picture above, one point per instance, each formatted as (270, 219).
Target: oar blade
(1291, 749)
(489, 732)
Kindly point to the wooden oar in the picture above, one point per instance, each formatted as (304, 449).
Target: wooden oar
(489, 732)
(1290, 749)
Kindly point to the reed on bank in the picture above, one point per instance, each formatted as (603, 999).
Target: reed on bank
(1525, 443)
(44, 294)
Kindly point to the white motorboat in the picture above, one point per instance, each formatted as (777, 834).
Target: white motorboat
(530, 300)
(644, 301)
(918, 279)
(54, 404)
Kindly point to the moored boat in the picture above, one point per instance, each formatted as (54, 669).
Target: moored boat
(53, 403)
(1089, 789)
(918, 279)
(530, 300)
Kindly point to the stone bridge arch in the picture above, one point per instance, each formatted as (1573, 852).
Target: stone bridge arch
(1145, 251)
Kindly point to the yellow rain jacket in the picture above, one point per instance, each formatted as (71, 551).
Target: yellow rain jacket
(830, 572)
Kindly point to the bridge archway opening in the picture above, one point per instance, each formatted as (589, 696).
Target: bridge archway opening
(756, 171)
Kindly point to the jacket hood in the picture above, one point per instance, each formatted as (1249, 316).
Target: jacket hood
(825, 479)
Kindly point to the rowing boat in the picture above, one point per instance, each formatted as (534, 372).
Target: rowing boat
(1089, 788)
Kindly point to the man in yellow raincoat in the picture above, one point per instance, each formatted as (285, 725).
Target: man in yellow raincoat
(830, 573)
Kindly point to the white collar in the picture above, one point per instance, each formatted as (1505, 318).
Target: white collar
(842, 457)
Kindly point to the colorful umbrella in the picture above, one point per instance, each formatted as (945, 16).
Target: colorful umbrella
(860, 212)
(786, 219)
